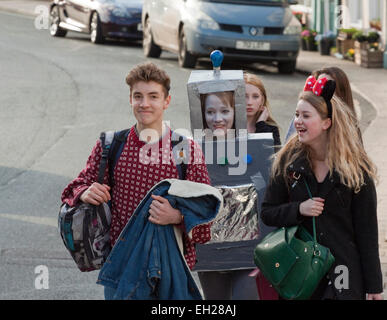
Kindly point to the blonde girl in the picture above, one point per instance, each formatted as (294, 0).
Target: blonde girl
(327, 153)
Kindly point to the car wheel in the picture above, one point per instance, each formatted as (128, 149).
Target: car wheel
(55, 30)
(96, 29)
(287, 67)
(185, 58)
(151, 50)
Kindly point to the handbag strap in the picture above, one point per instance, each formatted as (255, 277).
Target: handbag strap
(314, 220)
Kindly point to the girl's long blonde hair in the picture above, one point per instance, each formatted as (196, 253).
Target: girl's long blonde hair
(255, 81)
(345, 152)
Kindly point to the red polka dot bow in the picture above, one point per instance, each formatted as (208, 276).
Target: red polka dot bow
(316, 86)
(322, 87)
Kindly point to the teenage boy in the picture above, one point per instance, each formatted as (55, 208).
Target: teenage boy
(133, 177)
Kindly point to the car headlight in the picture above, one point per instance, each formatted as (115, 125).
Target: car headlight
(208, 24)
(294, 27)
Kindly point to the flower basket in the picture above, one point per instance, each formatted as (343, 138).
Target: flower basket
(343, 45)
(367, 51)
(345, 41)
(371, 59)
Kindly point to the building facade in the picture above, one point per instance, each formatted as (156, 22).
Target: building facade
(331, 15)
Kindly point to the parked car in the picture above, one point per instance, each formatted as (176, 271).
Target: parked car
(248, 30)
(100, 18)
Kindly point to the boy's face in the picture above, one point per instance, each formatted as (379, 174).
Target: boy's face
(148, 101)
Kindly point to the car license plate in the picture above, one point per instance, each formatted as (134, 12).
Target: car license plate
(253, 45)
(139, 27)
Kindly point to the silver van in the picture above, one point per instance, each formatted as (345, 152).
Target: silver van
(263, 31)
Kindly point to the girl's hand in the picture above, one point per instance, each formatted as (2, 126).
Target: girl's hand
(161, 212)
(312, 207)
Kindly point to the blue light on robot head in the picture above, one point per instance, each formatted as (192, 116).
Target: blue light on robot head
(216, 58)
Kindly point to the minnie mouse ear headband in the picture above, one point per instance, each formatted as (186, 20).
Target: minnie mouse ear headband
(323, 88)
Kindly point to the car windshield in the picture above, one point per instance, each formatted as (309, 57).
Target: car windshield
(252, 2)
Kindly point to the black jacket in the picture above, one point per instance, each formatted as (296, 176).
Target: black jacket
(262, 126)
(348, 225)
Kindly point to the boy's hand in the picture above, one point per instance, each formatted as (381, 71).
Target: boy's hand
(96, 194)
(161, 212)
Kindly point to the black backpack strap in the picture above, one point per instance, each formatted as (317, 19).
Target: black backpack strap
(180, 160)
(116, 148)
(106, 138)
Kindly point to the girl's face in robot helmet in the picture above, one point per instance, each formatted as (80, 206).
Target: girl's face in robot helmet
(219, 112)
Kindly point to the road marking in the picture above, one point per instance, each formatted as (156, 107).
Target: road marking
(46, 221)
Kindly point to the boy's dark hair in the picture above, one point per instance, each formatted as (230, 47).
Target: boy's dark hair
(149, 72)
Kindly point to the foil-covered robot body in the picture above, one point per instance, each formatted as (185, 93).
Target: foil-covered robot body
(238, 164)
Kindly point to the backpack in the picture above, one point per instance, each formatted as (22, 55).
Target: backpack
(84, 228)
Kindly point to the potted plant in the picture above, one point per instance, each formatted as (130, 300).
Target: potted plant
(367, 50)
(372, 57)
(350, 55)
(376, 24)
(308, 36)
(344, 40)
(305, 32)
(325, 42)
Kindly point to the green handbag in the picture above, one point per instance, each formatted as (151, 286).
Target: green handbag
(292, 260)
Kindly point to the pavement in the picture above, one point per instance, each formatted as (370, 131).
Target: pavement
(370, 84)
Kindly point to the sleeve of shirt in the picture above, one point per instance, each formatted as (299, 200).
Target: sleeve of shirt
(86, 177)
(277, 211)
(197, 172)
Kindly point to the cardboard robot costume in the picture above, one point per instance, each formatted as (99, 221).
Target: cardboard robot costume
(239, 167)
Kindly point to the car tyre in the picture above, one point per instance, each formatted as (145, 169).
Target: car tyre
(185, 58)
(55, 30)
(287, 67)
(151, 50)
(96, 29)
